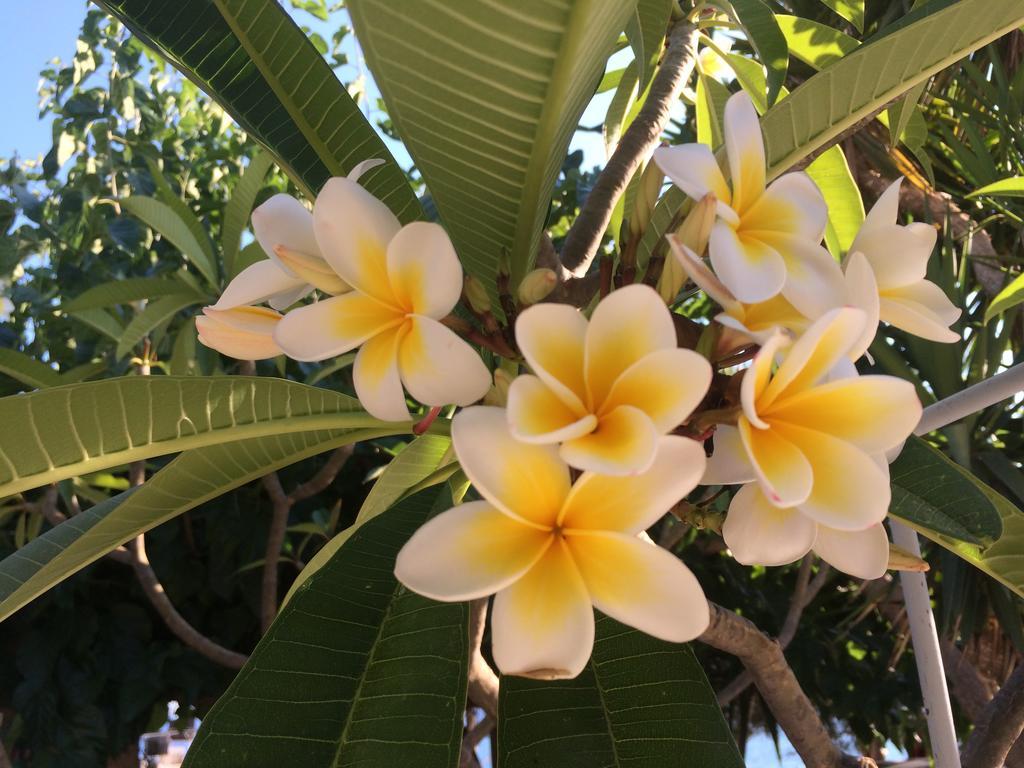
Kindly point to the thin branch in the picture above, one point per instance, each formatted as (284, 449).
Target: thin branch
(998, 727)
(805, 592)
(971, 400)
(779, 688)
(483, 683)
(325, 476)
(637, 143)
(281, 506)
(175, 621)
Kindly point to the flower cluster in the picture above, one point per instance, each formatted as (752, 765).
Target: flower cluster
(607, 429)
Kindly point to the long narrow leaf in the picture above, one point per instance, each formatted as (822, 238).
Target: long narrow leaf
(167, 222)
(236, 215)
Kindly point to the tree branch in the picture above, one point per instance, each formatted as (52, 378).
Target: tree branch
(483, 683)
(779, 688)
(637, 143)
(805, 592)
(998, 726)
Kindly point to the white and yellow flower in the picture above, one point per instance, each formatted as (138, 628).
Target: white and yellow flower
(245, 333)
(767, 240)
(550, 549)
(812, 441)
(608, 388)
(898, 256)
(403, 281)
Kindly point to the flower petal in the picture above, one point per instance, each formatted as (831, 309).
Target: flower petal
(526, 481)
(627, 325)
(257, 283)
(922, 309)
(244, 333)
(862, 292)
(537, 415)
(313, 269)
(864, 554)
(885, 211)
(850, 491)
(552, 338)
(875, 413)
(353, 229)
(333, 326)
(750, 269)
(634, 503)
(745, 148)
(439, 368)
(791, 205)
(470, 551)
(640, 584)
(425, 272)
(898, 255)
(783, 470)
(376, 377)
(694, 169)
(814, 280)
(729, 464)
(829, 340)
(759, 533)
(702, 276)
(281, 301)
(666, 385)
(283, 220)
(542, 626)
(757, 377)
(623, 443)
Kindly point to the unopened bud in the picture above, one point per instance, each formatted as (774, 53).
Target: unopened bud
(497, 395)
(695, 231)
(476, 295)
(671, 280)
(646, 198)
(901, 560)
(536, 286)
(313, 269)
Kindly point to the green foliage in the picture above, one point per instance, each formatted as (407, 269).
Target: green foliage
(487, 117)
(640, 700)
(646, 34)
(765, 35)
(355, 670)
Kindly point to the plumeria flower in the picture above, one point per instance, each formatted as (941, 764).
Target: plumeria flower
(403, 280)
(812, 442)
(549, 549)
(898, 256)
(759, 533)
(245, 333)
(605, 389)
(766, 240)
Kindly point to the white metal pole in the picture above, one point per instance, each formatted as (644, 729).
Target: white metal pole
(915, 587)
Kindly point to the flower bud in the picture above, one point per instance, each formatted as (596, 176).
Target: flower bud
(536, 286)
(476, 295)
(901, 560)
(244, 333)
(313, 270)
(646, 198)
(497, 395)
(694, 233)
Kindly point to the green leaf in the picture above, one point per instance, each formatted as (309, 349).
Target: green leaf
(275, 85)
(750, 76)
(27, 370)
(127, 290)
(851, 10)
(816, 45)
(155, 313)
(166, 222)
(1004, 559)
(100, 320)
(1009, 297)
(193, 478)
(646, 34)
(486, 97)
(356, 669)
(66, 431)
(766, 37)
(417, 461)
(246, 257)
(236, 215)
(640, 701)
(845, 207)
(615, 118)
(1011, 187)
(936, 494)
(711, 98)
(902, 111)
